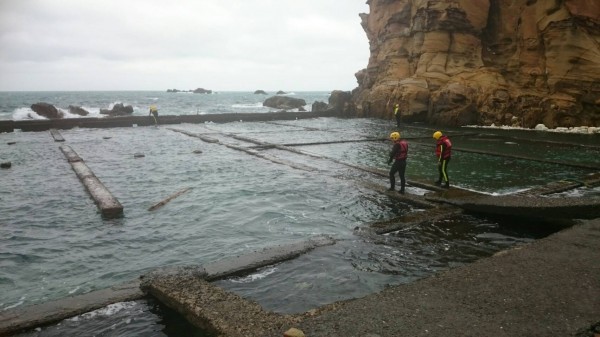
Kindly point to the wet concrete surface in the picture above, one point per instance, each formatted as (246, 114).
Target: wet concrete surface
(46, 313)
(520, 205)
(13, 321)
(550, 287)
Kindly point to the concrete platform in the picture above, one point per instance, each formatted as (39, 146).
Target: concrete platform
(521, 205)
(550, 287)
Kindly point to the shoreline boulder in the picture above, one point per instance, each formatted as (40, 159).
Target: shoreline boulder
(47, 110)
(118, 110)
(77, 110)
(284, 102)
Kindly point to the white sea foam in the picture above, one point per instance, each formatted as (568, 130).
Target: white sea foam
(541, 127)
(74, 290)
(109, 310)
(248, 106)
(257, 276)
(25, 113)
(19, 303)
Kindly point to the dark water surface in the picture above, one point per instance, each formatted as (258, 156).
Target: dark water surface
(53, 242)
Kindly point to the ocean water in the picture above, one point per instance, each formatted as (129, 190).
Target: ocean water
(53, 242)
(17, 105)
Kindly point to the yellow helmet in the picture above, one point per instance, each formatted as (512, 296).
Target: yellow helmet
(395, 135)
(437, 134)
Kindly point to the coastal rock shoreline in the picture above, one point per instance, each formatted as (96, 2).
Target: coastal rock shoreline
(480, 62)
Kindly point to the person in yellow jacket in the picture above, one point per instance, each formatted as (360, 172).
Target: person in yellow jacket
(154, 112)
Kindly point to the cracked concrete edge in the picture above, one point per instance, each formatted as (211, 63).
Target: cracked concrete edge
(13, 321)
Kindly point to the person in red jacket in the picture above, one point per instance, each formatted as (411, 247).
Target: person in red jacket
(443, 151)
(398, 153)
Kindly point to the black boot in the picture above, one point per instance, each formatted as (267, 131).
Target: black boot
(447, 184)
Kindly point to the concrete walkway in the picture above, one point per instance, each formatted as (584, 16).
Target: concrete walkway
(550, 287)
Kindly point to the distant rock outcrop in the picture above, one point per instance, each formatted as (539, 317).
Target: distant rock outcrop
(47, 110)
(319, 106)
(281, 92)
(260, 92)
(456, 62)
(202, 91)
(340, 103)
(118, 110)
(77, 110)
(284, 102)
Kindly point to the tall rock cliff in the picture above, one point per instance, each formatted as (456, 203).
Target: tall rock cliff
(458, 62)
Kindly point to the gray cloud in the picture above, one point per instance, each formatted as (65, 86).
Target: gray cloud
(153, 45)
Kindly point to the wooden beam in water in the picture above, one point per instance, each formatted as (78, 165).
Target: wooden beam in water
(165, 201)
(109, 206)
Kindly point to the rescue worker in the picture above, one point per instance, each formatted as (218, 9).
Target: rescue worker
(397, 114)
(154, 112)
(398, 153)
(443, 151)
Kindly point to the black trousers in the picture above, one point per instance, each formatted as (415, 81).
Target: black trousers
(400, 167)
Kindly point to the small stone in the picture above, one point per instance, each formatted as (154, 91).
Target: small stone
(197, 151)
(138, 155)
(293, 332)
(106, 137)
(11, 143)
(6, 165)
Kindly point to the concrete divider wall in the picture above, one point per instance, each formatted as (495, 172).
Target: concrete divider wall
(109, 206)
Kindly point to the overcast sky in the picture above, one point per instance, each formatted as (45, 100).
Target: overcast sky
(182, 44)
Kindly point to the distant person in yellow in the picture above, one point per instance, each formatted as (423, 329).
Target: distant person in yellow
(154, 112)
(397, 114)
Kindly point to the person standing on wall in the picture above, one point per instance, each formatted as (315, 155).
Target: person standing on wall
(397, 114)
(443, 151)
(154, 112)
(398, 153)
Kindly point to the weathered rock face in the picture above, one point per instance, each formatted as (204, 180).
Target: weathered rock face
(456, 62)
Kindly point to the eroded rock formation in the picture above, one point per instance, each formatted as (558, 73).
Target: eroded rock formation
(457, 62)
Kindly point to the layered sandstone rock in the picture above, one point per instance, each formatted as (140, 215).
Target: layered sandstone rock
(457, 62)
